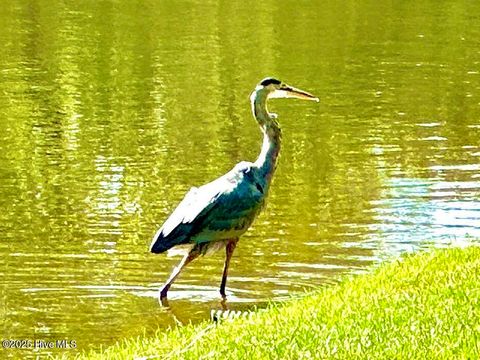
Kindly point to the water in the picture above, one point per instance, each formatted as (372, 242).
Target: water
(110, 111)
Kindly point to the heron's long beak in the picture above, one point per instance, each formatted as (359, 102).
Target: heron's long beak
(287, 91)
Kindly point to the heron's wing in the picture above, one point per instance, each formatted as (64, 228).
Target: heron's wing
(177, 228)
(233, 213)
(218, 210)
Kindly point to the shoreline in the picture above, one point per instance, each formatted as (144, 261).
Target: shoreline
(422, 305)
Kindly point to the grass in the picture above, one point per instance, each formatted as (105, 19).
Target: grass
(423, 306)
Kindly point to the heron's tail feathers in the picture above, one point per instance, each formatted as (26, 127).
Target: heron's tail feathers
(162, 242)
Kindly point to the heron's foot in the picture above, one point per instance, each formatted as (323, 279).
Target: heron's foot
(164, 302)
(162, 296)
(223, 303)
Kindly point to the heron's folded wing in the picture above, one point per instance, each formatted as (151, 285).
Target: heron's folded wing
(225, 207)
(178, 228)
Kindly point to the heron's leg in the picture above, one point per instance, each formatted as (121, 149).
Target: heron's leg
(230, 247)
(176, 271)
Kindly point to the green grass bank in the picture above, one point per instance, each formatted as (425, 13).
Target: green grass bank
(422, 306)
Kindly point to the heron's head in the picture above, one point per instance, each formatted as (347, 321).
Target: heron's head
(278, 89)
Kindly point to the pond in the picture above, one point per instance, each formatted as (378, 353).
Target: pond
(111, 110)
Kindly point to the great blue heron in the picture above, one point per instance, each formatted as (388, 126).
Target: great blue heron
(216, 214)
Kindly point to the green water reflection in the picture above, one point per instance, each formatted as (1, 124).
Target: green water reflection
(111, 110)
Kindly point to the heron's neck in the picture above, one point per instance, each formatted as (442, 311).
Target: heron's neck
(267, 160)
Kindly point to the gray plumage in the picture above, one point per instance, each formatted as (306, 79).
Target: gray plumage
(219, 212)
(222, 209)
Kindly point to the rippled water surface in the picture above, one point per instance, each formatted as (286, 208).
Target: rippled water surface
(110, 111)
